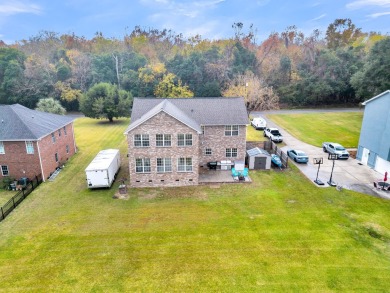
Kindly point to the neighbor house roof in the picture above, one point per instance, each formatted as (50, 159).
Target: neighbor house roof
(20, 123)
(202, 111)
(376, 97)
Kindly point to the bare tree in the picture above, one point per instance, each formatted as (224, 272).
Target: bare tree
(256, 93)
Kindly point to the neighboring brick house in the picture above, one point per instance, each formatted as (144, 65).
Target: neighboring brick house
(33, 143)
(170, 139)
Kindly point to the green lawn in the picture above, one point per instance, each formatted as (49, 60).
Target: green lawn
(316, 128)
(280, 233)
(5, 196)
(254, 135)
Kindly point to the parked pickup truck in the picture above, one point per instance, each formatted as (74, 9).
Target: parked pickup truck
(273, 134)
(335, 148)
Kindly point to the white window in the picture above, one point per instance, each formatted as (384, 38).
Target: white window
(231, 130)
(142, 165)
(208, 152)
(53, 138)
(65, 130)
(30, 147)
(163, 140)
(231, 152)
(141, 140)
(203, 129)
(2, 150)
(184, 139)
(56, 157)
(67, 149)
(164, 165)
(59, 132)
(4, 170)
(184, 164)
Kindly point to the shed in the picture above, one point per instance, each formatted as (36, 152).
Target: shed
(258, 158)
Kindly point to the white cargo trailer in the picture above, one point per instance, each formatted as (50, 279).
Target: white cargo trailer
(101, 172)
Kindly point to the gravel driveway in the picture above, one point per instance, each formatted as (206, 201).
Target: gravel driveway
(349, 174)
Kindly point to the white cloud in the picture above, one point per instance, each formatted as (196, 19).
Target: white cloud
(16, 7)
(363, 3)
(375, 15)
(318, 18)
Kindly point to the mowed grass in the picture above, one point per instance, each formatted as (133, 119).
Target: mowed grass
(254, 135)
(316, 128)
(279, 233)
(5, 196)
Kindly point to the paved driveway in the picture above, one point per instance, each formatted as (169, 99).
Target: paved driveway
(347, 173)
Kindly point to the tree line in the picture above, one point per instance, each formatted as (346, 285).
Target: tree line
(100, 76)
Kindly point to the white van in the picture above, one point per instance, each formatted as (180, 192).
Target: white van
(259, 123)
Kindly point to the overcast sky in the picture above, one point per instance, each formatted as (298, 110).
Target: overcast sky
(212, 19)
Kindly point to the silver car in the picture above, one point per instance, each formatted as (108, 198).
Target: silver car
(298, 156)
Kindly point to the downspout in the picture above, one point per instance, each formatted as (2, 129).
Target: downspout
(74, 140)
(40, 162)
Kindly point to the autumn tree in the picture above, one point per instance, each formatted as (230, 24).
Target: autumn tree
(171, 87)
(342, 32)
(257, 95)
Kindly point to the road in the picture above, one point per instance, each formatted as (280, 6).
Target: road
(349, 174)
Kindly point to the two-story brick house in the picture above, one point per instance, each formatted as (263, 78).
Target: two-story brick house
(170, 139)
(33, 143)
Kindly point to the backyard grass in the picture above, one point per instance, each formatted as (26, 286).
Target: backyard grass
(5, 196)
(316, 128)
(279, 233)
(254, 135)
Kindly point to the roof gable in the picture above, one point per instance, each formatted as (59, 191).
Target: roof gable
(20, 123)
(168, 108)
(204, 111)
(376, 97)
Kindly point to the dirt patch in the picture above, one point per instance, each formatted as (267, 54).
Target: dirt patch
(118, 195)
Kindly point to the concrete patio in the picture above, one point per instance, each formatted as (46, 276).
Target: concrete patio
(218, 176)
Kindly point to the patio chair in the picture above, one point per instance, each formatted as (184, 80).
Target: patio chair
(244, 172)
(235, 174)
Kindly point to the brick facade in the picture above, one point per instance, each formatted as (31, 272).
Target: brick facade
(213, 137)
(21, 164)
(163, 124)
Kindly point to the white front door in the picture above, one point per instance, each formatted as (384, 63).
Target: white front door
(366, 153)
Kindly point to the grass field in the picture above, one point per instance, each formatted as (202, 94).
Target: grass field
(5, 196)
(254, 135)
(279, 233)
(316, 128)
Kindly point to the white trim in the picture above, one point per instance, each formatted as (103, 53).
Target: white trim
(74, 140)
(377, 96)
(40, 162)
(3, 148)
(27, 148)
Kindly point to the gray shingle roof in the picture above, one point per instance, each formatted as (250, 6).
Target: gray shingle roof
(204, 111)
(20, 123)
(167, 107)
